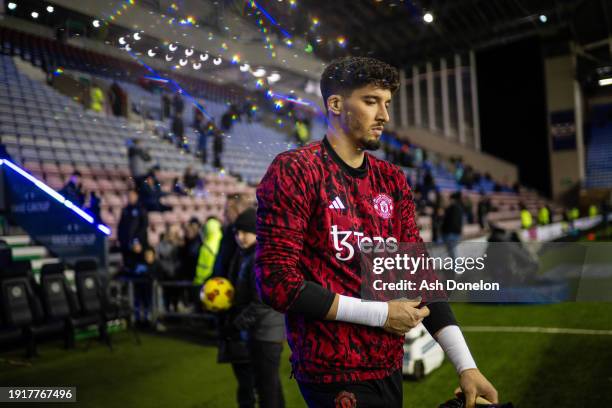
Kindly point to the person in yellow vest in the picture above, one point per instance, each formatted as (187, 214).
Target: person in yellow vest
(544, 216)
(526, 218)
(208, 250)
(302, 132)
(96, 97)
(593, 211)
(574, 213)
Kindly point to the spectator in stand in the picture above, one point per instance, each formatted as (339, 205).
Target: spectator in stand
(168, 256)
(452, 225)
(189, 252)
(301, 131)
(94, 206)
(117, 99)
(526, 217)
(543, 215)
(144, 272)
(208, 250)
(73, 190)
(429, 183)
(96, 98)
(178, 104)
(202, 132)
(166, 103)
(217, 148)
(467, 179)
(468, 209)
(178, 130)
(150, 195)
(263, 326)
(132, 230)
(228, 118)
(177, 187)
(139, 162)
(190, 179)
(437, 218)
(484, 207)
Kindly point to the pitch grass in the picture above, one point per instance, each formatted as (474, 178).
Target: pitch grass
(529, 369)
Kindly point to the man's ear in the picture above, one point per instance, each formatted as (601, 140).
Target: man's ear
(334, 104)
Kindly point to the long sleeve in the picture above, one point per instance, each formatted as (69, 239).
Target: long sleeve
(441, 314)
(283, 213)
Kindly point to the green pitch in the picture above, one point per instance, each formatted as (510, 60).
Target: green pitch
(530, 369)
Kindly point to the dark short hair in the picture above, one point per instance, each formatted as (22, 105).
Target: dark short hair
(342, 76)
(77, 173)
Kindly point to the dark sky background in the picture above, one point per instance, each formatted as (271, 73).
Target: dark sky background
(512, 103)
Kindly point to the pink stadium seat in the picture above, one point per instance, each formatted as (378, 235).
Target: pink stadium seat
(104, 185)
(155, 218)
(170, 218)
(84, 170)
(90, 184)
(33, 166)
(66, 168)
(55, 182)
(50, 168)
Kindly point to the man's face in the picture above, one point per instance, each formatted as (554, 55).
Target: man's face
(132, 198)
(231, 211)
(363, 115)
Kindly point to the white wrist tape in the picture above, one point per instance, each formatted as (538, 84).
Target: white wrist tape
(452, 342)
(353, 310)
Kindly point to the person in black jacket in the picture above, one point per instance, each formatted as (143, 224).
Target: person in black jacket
(262, 326)
(452, 224)
(132, 229)
(232, 349)
(73, 190)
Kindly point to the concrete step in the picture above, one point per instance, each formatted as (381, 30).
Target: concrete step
(16, 240)
(29, 252)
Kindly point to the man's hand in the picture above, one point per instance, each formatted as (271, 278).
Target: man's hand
(474, 384)
(403, 315)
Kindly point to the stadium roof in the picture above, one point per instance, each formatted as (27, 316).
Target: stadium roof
(395, 30)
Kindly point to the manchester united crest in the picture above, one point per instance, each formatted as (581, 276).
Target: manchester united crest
(383, 204)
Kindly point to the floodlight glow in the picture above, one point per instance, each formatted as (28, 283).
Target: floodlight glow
(274, 77)
(428, 18)
(259, 72)
(605, 82)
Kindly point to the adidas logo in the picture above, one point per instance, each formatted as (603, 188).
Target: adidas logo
(337, 204)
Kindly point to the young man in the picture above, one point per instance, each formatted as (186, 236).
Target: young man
(314, 204)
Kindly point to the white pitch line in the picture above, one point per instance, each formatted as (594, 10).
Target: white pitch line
(530, 329)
